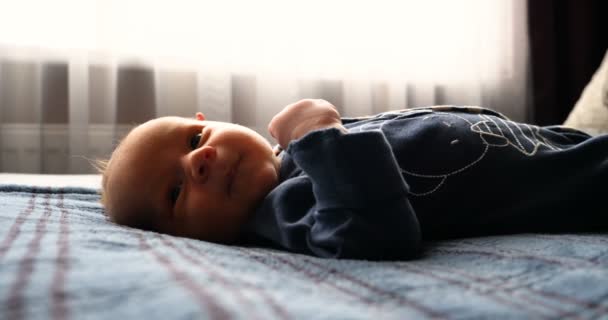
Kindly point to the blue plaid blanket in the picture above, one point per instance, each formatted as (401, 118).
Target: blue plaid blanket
(60, 258)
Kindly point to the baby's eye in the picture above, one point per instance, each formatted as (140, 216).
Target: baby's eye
(195, 141)
(175, 193)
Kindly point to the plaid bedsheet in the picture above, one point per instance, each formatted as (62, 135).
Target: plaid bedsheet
(61, 259)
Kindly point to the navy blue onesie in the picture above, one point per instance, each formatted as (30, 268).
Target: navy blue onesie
(430, 173)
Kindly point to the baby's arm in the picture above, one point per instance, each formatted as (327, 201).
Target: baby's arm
(361, 207)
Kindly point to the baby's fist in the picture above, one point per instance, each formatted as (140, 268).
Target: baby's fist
(298, 119)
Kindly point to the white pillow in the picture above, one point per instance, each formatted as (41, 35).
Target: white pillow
(590, 113)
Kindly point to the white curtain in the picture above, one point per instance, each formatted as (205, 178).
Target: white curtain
(76, 75)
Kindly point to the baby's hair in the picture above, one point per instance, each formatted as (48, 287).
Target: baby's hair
(101, 166)
(136, 217)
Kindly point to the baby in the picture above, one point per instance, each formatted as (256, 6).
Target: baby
(369, 188)
(198, 178)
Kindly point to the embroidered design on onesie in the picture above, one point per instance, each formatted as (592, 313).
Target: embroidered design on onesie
(463, 137)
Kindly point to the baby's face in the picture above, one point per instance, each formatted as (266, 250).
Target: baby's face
(190, 177)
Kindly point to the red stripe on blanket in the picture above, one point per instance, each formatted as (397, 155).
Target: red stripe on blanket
(229, 284)
(206, 301)
(26, 266)
(531, 294)
(278, 310)
(59, 309)
(311, 275)
(372, 303)
(512, 254)
(16, 227)
(215, 275)
(488, 293)
(380, 291)
(503, 253)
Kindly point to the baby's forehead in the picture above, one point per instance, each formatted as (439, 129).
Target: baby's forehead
(131, 174)
(149, 138)
(156, 128)
(164, 122)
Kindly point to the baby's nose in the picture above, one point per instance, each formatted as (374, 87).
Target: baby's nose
(201, 161)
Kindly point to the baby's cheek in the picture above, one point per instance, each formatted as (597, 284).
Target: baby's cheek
(269, 178)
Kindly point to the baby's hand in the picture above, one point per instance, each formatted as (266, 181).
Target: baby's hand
(297, 119)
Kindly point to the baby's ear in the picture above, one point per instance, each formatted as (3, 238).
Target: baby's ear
(200, 116)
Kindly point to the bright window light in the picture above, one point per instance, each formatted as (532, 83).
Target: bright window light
(431, 38)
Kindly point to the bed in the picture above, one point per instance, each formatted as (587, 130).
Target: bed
(60, 258)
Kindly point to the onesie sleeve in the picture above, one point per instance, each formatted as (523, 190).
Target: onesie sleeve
(361, 205)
